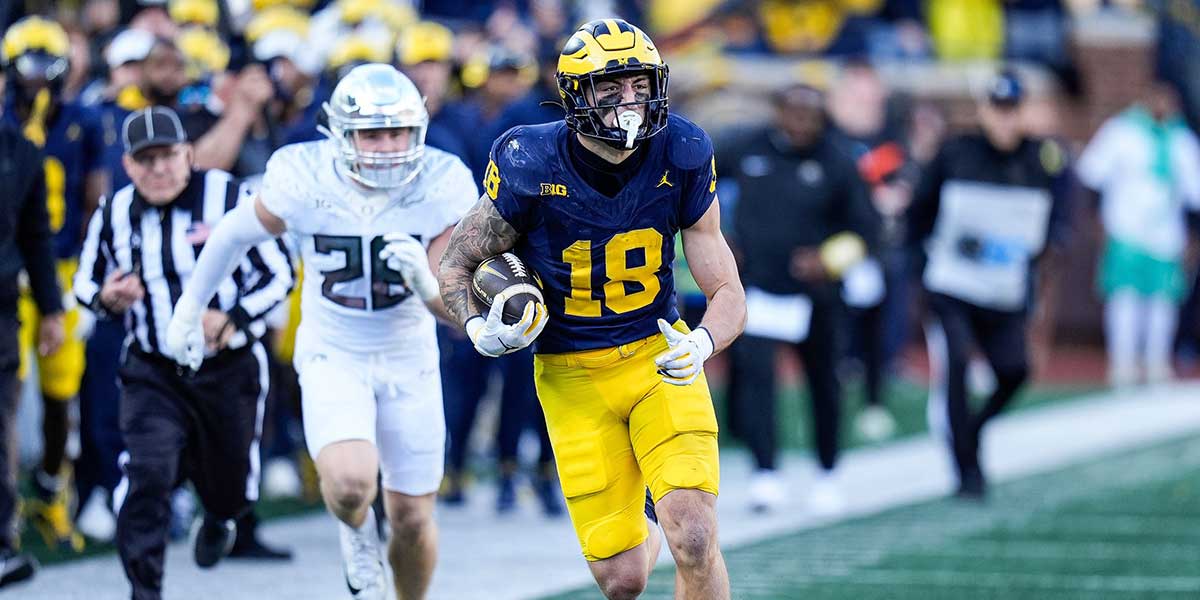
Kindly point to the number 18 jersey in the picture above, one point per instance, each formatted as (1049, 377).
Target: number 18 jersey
(350, 299)
(605, 261)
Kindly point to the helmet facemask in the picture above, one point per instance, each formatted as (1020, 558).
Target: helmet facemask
(590, 114)
(387, 169)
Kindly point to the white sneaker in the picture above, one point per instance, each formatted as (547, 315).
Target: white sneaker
(875, 424)
(1122, 376)
(365, 577)
(825, 498)
(1159, 373)
(767, 491)
(96, 520)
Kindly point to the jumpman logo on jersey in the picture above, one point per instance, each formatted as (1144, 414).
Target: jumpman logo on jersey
(664, 181)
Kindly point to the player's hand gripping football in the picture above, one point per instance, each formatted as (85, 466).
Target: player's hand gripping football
(492, 337)
(185, 334)
(407, 256)
(682, 362)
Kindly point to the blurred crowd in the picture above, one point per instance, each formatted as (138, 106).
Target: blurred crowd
(249, 76)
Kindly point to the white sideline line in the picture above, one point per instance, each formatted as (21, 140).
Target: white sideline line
(526, 556)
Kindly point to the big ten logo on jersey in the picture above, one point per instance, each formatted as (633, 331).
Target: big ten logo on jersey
(360, 260)
(554, 189)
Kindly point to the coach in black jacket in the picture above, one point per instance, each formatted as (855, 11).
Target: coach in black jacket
(24, 244)
(202, 426)
(796, 190)
(987, 209)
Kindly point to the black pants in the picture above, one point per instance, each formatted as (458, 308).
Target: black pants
(177, 426)
(753, 397)
(9, 393)
(956, 329)
(867, 326)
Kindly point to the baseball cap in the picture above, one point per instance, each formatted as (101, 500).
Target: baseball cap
(149, 127)
(1005, 88)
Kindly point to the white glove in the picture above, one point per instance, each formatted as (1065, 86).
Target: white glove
(407, 256)
(493, 338)
(682, 363)
(185, 334)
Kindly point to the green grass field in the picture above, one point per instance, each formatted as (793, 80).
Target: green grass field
(1119, 527)
(905, 399)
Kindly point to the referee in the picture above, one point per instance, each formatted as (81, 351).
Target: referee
(177, 425)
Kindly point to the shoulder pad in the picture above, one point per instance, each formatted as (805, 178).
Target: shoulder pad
(688, 146)
(523, 143)
(524, 155)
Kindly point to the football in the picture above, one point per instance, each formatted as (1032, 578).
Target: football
(508, 274)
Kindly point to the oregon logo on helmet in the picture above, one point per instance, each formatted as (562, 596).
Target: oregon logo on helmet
(602, 51)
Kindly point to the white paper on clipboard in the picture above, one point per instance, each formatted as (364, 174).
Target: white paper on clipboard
(778, 317)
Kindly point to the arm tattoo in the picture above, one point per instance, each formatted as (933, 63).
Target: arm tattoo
(482, 233)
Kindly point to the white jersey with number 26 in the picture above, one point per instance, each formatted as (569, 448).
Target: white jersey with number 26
(350, 299)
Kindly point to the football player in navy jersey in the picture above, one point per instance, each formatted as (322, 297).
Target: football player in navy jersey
(592, 204)
(36, 60)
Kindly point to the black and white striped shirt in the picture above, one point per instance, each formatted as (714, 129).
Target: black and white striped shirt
(160, 245)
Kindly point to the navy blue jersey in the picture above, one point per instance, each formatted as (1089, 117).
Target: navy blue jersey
(74, 148)
(605, 261)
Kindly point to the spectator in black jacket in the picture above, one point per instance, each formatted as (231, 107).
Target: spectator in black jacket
(24, 245)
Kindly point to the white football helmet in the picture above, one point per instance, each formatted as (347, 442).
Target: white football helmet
(377, 96)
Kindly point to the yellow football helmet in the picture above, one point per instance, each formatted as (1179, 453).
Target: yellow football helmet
(605, 49)
(204, 51)
(194, 12)
(394, 15)
(354, 50)
(276, 18)
(36, 52)
(259, 5)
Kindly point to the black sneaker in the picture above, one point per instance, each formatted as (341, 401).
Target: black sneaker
(214, 539)
(246, 543)
(972, 486)
(251, 547)
(15, 567)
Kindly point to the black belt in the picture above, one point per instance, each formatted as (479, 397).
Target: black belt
(220, 360)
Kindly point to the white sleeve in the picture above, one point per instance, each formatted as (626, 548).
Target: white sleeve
(281, 187)
(458, 193)
(1099, 158)
(235, 234)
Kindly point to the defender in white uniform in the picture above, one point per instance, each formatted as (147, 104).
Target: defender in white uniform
(372, 208)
